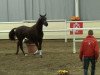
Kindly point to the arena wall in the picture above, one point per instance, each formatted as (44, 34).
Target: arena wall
(47, 35)
(52, 25)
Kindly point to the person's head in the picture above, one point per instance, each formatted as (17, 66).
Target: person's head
(90, 32)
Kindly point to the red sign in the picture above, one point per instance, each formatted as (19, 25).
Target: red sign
(76, 25)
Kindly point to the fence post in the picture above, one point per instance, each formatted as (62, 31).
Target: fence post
(65, 31)
(74, 45)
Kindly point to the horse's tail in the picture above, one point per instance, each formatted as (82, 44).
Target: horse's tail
(12, 34)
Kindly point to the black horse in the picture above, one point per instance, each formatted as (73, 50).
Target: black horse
(34, 34)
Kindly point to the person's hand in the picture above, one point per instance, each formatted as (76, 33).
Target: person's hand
(95, 60)
(81, 60)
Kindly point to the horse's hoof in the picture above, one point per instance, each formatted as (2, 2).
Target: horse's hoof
(26, 54)
(16, 53)
(34, 54)
(41, 56)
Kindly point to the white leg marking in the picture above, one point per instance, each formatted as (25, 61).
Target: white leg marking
(40, 52)
(36, 52)
(24, 40)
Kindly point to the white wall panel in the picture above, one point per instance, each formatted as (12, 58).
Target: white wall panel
(28, 10)
(3, 10)
(59, 9)
(35, 9)
(90, 9)
(16, 10)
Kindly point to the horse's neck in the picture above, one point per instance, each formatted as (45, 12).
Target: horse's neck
(39, 26)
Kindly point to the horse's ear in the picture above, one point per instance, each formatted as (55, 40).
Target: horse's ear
(40, 15)
(45, 14)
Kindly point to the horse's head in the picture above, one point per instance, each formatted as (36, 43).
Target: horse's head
(44, 19)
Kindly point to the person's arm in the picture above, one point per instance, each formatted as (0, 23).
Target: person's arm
(96, 50)
(81, 51)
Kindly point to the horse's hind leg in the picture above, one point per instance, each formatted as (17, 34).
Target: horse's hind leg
(17, 48)
(21, 46)
(37, 48)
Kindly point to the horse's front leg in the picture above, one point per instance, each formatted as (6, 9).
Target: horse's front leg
(40, 48)
(38, 45)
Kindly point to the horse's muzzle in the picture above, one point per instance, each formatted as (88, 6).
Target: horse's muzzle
(45, 23)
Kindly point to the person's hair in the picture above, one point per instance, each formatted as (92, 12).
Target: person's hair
(90, 32)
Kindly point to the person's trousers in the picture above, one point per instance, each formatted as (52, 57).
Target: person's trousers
(86, 62)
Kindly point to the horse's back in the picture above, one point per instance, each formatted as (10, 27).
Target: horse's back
(25, 31)
(22, 31)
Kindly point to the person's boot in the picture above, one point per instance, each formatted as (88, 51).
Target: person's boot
(92, 72)
(85, 72)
